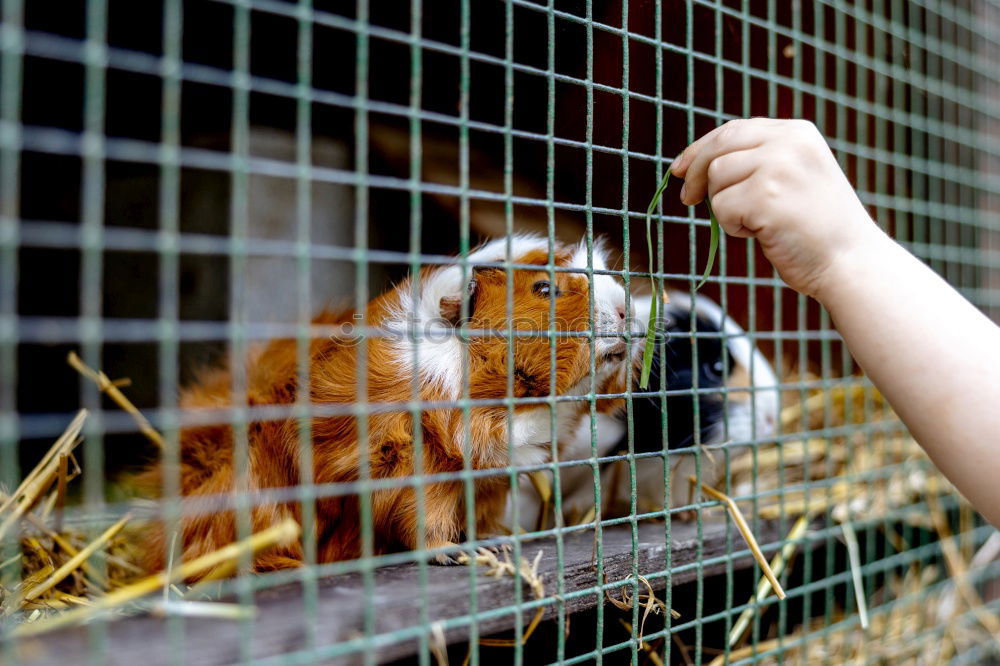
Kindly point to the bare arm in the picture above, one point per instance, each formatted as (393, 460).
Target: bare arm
(933, 355)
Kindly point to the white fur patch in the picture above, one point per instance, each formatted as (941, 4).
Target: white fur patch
(610, 429)
(531, 427)
(609, 295)
(527, 456)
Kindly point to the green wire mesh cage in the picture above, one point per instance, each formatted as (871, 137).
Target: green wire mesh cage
(210, 198)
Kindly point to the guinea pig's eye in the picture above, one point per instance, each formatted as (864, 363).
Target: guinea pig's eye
(544, 288)
(713, 371)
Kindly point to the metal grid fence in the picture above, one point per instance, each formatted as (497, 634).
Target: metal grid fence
(155, 159)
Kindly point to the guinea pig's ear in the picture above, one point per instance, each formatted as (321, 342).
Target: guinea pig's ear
(451, 306)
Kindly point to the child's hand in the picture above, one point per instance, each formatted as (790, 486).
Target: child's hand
(933, 355)
(777, 181)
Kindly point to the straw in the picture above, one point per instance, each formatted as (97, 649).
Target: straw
(438, 646)
(684, 649)
(763, 585)
(42, 476)
(71, 433)
(74, 562)
(652, 602)
(851, 540)
(215, 610)
(528, 572)
(747, 651)
(61, 490)
(111, 389)
(543, 487)
(646, 647)
(285, 532)
(65, 546)
(988, 552)
(588, 516)
(741, 525)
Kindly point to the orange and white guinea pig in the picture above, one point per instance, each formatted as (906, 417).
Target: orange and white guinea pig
(419, 347)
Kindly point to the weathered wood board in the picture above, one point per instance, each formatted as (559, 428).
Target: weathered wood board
(280, 626)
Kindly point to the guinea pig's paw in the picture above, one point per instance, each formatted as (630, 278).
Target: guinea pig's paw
(495, 550)
(449, 559)
(487, 555)
(505, 547)
(450, 556)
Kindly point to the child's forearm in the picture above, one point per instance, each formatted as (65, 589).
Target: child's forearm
(933, 355)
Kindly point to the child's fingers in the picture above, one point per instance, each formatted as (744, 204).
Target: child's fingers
(682, 162)
(730, 208)
(729, 169)
(734, 135)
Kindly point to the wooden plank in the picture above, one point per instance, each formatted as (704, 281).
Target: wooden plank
(280, 627)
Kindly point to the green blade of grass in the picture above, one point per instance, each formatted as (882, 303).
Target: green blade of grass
(647, 352)
(713, 244)
(713, 247)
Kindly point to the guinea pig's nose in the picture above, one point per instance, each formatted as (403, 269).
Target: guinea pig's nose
(769, 424)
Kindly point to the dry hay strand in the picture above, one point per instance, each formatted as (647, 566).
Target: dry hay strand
(651, 650)
(112, 390)
(649, 601)
(543, 487)
(74, 562)
(438, 644)
(744, 528)
(527, 572)
(777, 566)
(41, 478)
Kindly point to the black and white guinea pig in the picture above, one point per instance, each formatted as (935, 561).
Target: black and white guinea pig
(737, 402)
